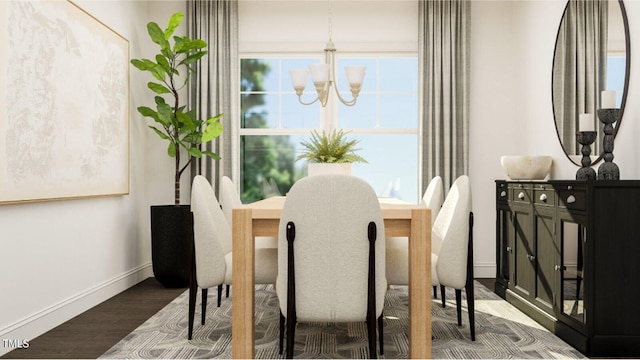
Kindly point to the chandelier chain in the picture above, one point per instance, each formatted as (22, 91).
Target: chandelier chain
(330, 20)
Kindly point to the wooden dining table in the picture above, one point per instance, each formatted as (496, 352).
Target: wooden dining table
(262, 218)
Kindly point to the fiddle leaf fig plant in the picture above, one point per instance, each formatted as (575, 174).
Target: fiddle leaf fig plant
(333, 147)
(172, 67)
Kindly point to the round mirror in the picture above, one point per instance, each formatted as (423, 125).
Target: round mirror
(592, 56)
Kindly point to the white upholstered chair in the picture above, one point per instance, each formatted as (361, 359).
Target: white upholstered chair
(398, 247)
(212, 249)
(453, 263)
(331, 265)
(230, 199)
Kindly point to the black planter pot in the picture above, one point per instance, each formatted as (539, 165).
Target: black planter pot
(171, 242)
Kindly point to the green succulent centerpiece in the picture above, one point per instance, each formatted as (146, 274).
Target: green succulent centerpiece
(172, 68)
(333, 147)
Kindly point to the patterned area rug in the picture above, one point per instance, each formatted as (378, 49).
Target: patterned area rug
(502, 331)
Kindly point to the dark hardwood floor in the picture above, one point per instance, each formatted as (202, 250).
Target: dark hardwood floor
(90, 334)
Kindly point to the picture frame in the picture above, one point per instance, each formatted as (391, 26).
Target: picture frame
(64, 104)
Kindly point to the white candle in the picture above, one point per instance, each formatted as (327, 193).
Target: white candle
(608, 99)
(586, 122)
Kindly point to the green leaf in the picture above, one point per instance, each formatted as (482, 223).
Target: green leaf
(158, 88)
(162, 61)
(212, 155)
(184, 44)
(171, 150)
(174, 21)
(165, 111)
(185, 119)
(157, 35)
(158, 72)
(195, 152)
(147, 111)
(143, 64)
(213, 130)
(193, 58)
(159, 132)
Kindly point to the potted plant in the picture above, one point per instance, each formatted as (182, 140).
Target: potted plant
(171, 224)
(330, 153)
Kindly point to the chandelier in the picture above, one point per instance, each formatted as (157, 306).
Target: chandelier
(323, 77)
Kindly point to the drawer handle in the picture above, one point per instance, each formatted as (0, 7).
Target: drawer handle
(543, 197)
(531, 257)
(521, 196)
(571, 199)
(508, 249)
(558, 267)
(503, 193)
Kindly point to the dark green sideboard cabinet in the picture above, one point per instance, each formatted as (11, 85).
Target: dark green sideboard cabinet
(568, 255)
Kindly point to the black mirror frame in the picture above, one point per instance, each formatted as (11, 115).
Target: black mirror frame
(627, 43)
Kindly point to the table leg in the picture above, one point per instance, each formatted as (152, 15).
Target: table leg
(243, 302)
(420, 285)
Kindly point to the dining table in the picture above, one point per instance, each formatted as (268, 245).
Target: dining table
(262, 218)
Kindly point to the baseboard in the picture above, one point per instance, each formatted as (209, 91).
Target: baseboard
(47, 319)
(486, 270)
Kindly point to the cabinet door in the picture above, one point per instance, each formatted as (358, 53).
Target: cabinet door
(570, 300)
(504, 246)
(523, 276)
(545, 258)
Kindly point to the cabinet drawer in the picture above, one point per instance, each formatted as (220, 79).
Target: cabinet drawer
(520, 193)
(572, 198)
(544, 195)
(502, 192)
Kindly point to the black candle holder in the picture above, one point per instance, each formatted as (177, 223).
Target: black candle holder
(586, 138)
(608, 170)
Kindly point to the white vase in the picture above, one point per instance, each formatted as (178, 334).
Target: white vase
(329, 168)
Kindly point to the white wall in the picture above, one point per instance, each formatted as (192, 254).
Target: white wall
(511, 109)
(61, 258)
(58, 259)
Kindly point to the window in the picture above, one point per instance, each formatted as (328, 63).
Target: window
(616, 69)
(385, 120)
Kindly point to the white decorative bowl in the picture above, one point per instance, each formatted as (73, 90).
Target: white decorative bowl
(526, 167)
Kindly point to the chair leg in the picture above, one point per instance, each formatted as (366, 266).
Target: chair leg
(193, 292)
(228, 286)
(291, 336)
(371, 291)
(435, 292)
(219, 295)
(282, 323)
(470, 279)
(291, 290)
(205, 292)
(371, 334)
(442, 293)
(459, 306)
(381, 334)
(471, 310)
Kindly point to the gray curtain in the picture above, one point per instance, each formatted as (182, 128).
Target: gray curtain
(444, 52)
(579, 68)
(214, 89)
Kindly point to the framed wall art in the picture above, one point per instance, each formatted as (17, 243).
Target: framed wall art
(64, 104)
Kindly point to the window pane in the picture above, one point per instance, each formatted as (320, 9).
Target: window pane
(392, 168)
(399, 74)
(362, 115)
(296, 115)
(268, 165)
(259, 111)
(616, 69)
(270, 78)
(399, 111)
